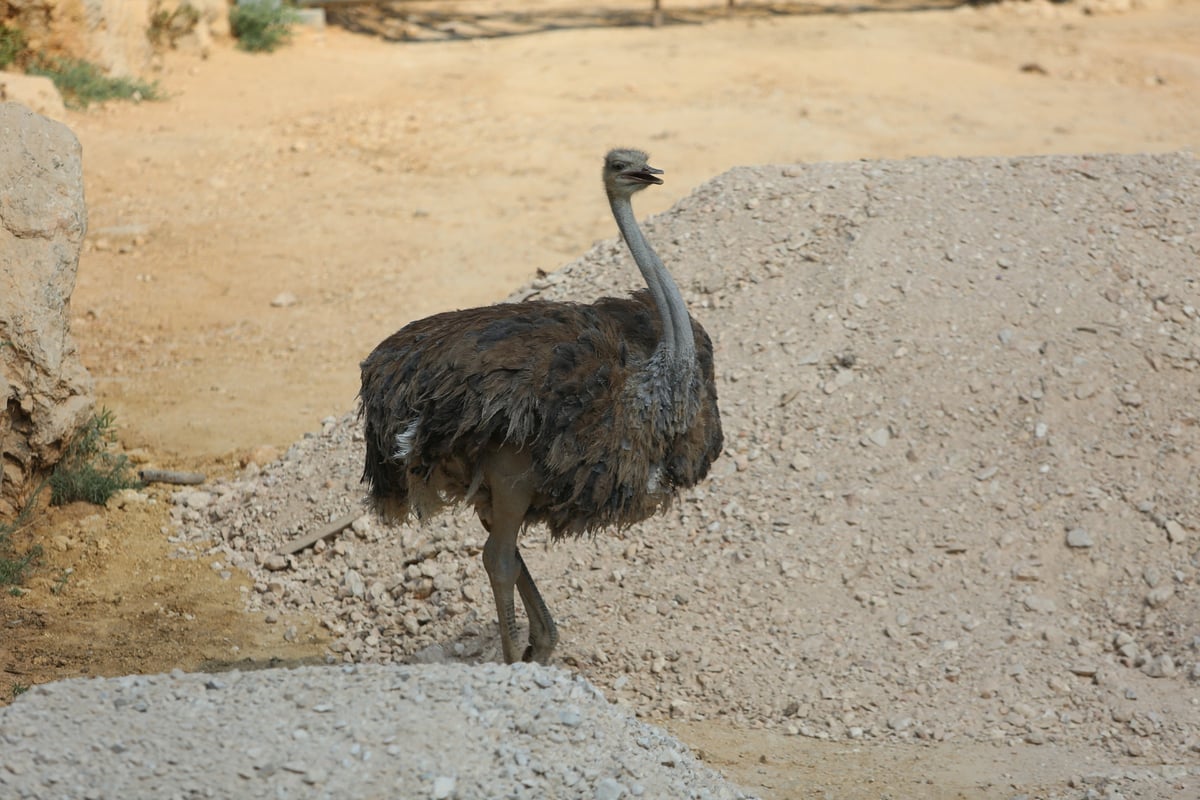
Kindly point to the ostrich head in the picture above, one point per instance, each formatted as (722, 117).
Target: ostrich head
(626, 172)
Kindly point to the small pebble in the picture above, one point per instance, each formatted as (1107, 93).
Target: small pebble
(609, 789)
(443, 787)
(1078, 537)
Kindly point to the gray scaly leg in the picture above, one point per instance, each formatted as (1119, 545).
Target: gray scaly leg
(543, 633)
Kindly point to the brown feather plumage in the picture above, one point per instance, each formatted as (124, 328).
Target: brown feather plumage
(561, 379)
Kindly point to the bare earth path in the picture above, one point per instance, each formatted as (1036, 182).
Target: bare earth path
(255, 235)
(379, 182)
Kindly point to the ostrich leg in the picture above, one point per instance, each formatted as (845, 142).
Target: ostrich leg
(543, 633)
(502, 563)
(507, 472)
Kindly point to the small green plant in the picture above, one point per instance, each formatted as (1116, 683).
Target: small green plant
(262, 25)
(81, 83)
(13, 47)
(19, 689)
(12, 565)
(88, 471)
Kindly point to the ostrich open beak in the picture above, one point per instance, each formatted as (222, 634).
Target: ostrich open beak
(645, 175)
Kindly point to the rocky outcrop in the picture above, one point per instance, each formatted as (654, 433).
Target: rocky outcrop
(45, 392)
(119, 36)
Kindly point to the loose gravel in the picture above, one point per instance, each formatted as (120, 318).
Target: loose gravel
(357, 731)
(960, 497)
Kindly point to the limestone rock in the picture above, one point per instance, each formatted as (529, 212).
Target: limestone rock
(116, 34)
(193, 24)
(45, 392)
(118, 30)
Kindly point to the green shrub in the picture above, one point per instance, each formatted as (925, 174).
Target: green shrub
(82, 83)
(79, 82)
(13, 566)
(263, 25)
(88, 471)
(12, 45)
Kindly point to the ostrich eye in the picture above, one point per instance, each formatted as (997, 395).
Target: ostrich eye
(620, 165)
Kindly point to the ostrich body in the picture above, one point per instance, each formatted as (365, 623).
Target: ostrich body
(579, 416)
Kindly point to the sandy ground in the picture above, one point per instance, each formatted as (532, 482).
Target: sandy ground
(256, 234)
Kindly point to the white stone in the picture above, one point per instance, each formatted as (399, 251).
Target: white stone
(1078, 537)
(443, 787)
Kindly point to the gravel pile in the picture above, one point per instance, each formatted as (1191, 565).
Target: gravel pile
(350, 732)
(960, 497)
(961, 489)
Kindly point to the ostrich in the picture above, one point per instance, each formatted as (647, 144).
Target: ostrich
(578, 416)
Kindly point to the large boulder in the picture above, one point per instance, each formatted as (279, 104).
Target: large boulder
(45, 392)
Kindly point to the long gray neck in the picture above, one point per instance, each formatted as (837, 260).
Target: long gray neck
(677, 342)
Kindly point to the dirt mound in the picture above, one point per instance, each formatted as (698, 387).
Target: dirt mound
(959, 498)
